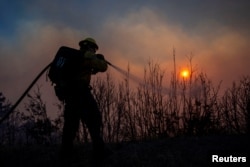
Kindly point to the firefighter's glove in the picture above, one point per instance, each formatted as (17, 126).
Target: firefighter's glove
(94, 71)
(100, 56)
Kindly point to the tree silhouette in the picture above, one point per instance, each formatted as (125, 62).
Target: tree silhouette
(38, 127)
(8, 128)
(157, 107)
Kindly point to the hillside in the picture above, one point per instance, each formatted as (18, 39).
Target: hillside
(171, 152)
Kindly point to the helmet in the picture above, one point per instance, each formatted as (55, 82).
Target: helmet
(88, 42)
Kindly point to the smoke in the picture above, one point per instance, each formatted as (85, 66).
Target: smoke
(134, 37)
(219, 51)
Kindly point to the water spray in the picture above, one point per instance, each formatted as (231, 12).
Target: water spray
(125, 73)
(163, 90)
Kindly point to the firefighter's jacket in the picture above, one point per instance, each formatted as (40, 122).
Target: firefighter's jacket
(90, 65)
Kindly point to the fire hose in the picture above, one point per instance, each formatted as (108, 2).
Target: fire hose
(24, 94)
(31, 85)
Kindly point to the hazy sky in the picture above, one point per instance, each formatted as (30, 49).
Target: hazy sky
(216, 32)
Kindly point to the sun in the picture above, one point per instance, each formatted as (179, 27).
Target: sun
(185, 73)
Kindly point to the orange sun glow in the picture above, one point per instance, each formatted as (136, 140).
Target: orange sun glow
(185, 73)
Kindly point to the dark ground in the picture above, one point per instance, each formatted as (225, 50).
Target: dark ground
(170, 152)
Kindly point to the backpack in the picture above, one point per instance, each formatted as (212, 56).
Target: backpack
(65, 65)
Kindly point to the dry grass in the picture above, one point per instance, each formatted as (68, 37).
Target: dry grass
(171, 152)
